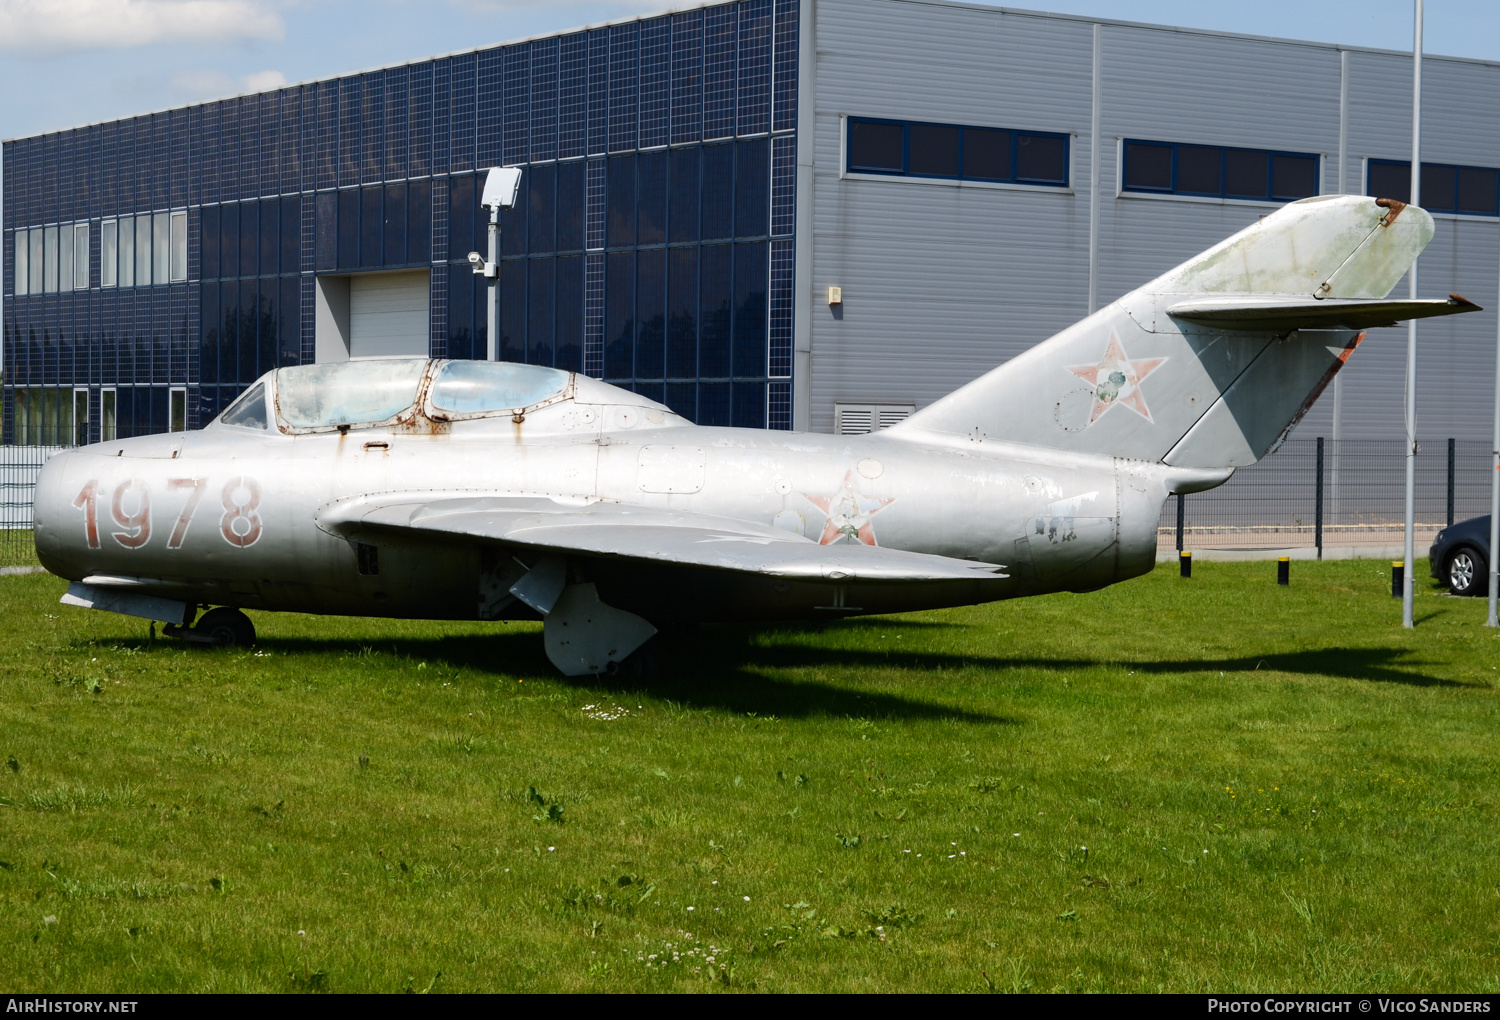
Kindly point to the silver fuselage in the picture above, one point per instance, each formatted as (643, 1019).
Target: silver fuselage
(231, 516)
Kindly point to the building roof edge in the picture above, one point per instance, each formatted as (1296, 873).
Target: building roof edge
(682, 7)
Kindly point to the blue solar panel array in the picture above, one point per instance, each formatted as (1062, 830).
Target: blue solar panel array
(652, 247)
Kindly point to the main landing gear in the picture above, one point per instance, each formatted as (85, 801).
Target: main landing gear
(224, 626)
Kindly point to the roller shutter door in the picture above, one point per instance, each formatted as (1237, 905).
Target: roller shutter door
(388, 315)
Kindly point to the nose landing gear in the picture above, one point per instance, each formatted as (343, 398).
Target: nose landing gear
(223, 626)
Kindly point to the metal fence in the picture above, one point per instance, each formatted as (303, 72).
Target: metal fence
(19, 466)
(1345, 495)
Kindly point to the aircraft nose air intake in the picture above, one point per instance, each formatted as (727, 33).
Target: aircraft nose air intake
(50, 504)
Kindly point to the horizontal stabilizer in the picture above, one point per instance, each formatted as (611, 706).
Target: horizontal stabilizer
(1279, 314)
(623, 531)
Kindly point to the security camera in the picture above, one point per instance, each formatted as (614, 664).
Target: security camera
(482, 268)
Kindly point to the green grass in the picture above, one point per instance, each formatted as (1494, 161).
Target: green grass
(1181, 785)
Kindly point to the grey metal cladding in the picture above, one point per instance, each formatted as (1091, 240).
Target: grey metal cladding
(935, 293)
(942, 283)
(1458, 109)
(954, 64)
(1380, 109)
(1220, 90)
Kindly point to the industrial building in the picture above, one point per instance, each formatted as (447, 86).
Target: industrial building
(795, 214)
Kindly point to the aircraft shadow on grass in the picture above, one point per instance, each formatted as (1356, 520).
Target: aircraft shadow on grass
(709, 670)
(1376, 665)
(734, 669)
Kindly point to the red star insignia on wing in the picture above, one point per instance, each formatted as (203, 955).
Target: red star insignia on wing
(1117, 380)
(848, 513)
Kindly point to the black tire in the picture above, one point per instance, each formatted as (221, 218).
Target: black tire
(643, 664)
(226, 627)
(1466, 571)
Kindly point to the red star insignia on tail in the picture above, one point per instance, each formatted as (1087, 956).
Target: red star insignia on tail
(1117, 380)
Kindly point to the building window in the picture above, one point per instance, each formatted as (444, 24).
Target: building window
(143, 250)
(177, 410)
(160, 241)
(109, 253)
(956, 152)
(23, 250)
(64, 257)
(49, 260)
(80, 256)
(22, 418)
(107, 415)
(1467, 190)
(179, 247)
(80, 436)
(133, 251)
(1215, 171)
(127, 251)
(41, 418)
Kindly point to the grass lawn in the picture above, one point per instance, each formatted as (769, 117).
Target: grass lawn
(1214, 784)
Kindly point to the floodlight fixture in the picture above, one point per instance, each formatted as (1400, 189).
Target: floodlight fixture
(501, 186)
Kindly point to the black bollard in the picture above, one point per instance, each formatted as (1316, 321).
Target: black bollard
(1398, 570)
(1185, 563)
(1284, 570)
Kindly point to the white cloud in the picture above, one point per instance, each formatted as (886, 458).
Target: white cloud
(60, 26)
(263, 81)
(591, 10)
(208, 84)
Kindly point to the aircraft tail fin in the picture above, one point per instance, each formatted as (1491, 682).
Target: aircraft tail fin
(1212, 364)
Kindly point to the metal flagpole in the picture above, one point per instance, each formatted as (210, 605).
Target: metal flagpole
(1409, 573)
(1494, 557)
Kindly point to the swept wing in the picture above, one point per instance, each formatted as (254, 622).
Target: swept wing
(623, 531)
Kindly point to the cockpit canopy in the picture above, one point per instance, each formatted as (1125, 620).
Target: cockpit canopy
(488, 387)
(347, 393)
(367, 394)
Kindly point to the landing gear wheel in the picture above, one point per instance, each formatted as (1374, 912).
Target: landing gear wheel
(1468, 573)
(226, 626)
(642, 664)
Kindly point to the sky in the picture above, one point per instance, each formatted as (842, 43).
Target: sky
(65, 63)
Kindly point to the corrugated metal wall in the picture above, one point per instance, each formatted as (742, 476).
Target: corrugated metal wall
(942, 282)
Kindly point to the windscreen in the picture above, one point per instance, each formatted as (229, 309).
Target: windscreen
(248, 412)
(349, 393)
(475, 387)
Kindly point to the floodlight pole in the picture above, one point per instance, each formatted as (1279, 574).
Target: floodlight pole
(492, 313)
(501, 185)
(1409, 548)
(1494, 619)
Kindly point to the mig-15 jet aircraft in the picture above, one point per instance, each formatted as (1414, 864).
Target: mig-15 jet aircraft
(482, 490)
